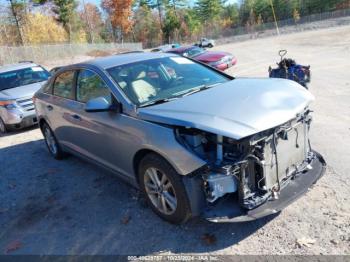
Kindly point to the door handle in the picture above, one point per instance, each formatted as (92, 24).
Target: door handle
(76, 117)
(50, 108)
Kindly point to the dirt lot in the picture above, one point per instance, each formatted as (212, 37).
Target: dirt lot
(71, 207)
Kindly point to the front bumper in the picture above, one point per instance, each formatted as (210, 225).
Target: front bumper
(228, 210)
(17, 118)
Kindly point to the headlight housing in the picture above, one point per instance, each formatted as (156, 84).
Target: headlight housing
(9, 104)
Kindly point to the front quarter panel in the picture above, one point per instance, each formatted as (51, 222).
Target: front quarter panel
(143, 135)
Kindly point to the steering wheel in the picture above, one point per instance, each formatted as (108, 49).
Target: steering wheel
(178, 79)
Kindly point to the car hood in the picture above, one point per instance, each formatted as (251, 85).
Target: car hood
(21, 91)
(236, 109)
(211, 56)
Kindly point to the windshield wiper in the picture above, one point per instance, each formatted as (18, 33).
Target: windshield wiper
(157, 101)
(194, 90)
(178, 95)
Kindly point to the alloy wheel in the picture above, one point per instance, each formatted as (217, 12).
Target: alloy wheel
(160, 191)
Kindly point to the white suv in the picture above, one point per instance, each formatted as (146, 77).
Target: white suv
(18, 83)
(205, 42)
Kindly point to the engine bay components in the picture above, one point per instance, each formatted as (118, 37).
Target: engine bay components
(218, 185)
(256, 167)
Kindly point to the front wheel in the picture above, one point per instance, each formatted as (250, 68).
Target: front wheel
(164, 189)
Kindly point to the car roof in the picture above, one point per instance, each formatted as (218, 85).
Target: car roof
(17, 66)
(182, 49)
(164, 46)
(122, 59)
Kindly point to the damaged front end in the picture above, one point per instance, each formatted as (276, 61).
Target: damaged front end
(254, 176)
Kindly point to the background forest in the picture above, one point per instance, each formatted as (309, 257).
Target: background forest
(152, 22)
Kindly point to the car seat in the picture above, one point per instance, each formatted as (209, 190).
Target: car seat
(140, 86)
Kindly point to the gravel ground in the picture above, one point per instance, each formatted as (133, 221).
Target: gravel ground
(72, 207)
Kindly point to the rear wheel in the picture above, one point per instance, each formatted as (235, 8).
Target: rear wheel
(210, 45)
(51, 142)
(164, 189)
(3, 128)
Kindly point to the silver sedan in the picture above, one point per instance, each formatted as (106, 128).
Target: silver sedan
(197, 142)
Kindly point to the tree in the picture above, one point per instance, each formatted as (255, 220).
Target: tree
(106, 33)
(43, 29)
(147, 28)
(171, 25)
(77, 31)
(208, 10)
(231, 14)
(18, 12)
(92, 21)
(159, 4)
(296, 16)
(308, 7)
(193, 24)
(142, 3)
(284, 9)
(120, 15)
(8, 30)
(176, 4)
(65, 11)
(192, 20)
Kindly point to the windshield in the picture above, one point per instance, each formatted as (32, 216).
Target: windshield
(22, 77)
(163, 78)
(194, 51)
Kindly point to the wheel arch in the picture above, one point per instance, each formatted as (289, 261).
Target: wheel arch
(42, 121)
(141, 154)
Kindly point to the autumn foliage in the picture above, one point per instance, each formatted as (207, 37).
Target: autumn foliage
(120, 14)
(43, 29)
(152, 22)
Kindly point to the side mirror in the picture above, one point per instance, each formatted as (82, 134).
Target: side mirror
(99, 104)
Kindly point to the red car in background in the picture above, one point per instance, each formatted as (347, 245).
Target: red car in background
(217, 59)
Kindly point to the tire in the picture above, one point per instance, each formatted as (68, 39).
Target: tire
(161, 197)
(3, 128)
(210, 45)
(51, 142)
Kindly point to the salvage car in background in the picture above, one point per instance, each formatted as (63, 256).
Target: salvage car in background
(205, 42)
(164, 48)
(18, 83)
(217, 59)
(194, 140)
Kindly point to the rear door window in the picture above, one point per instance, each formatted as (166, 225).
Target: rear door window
(64, 85)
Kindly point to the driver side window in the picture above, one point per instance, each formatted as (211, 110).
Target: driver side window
(90, 85)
